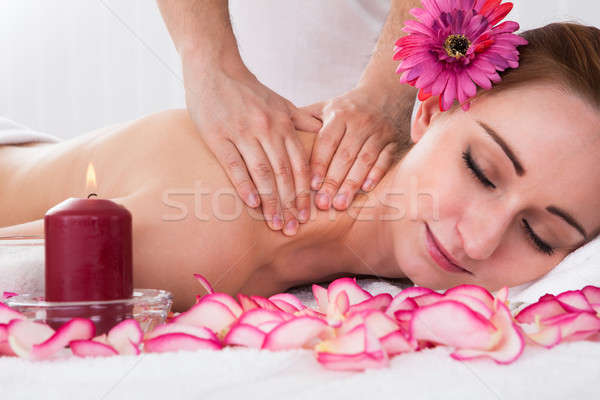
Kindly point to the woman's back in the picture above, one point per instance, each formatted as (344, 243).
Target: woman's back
(187, 216)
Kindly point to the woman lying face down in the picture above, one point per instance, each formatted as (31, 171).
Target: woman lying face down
(497, 195)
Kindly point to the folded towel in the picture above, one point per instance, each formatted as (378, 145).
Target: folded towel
(14, 133)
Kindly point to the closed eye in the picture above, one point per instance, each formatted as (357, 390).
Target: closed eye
(476, 171)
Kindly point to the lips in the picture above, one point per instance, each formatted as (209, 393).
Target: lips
(440, 255)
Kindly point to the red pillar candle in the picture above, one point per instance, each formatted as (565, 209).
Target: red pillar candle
(88, 251)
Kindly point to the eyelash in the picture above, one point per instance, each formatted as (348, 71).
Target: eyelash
(480, 176)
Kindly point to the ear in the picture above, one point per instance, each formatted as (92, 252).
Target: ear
(426, 113)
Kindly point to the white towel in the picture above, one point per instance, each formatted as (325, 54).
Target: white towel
(14, 133)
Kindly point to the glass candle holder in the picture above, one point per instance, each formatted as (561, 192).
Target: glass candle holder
(22, 268)
(149, 307)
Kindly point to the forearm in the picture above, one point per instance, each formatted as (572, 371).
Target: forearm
(201, 30)
(380, 72)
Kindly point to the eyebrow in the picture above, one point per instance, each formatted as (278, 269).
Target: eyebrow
(569, 218)
(520, 171)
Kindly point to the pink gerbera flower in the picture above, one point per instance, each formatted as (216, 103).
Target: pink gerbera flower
(454, 45)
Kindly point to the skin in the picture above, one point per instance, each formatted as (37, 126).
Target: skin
(382, 233)
(250, 129)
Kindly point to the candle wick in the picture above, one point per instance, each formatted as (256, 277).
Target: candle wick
(92, 194)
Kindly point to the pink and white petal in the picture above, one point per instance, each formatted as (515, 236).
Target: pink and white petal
(259, 316)
(75, 329)
(396, 343)
(320, 294)
(177, 342)
(574, 301)
(209, 313)
(7, 314)
(205, 283)
(126, 337)
(284, 306)
(355, 293)
(23, 334)
(247, 303)
(227, 300)
(351, 342)
(474, 291)
(471, 302)
(511, 343)
(582, 322)
(380, 324)
(265, 303)
(294, 333)
(379, 302)
(428, 299)
(592, 294)
(541, 310)
(502, 295)
(452, 323)
(289, 298)
(406, 304)
(91, 348)
(174, 327)
(548, 336)
(244, 335)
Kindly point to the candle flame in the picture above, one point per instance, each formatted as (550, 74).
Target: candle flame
(90, 178)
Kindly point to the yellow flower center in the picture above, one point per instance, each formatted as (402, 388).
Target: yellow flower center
(457, 46)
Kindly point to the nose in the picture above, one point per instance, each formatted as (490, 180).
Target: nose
(483, 226)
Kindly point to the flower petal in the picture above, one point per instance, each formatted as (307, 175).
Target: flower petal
(294, 333)
(244, 335)
(91, 348)
(452, 323)
(178, 342)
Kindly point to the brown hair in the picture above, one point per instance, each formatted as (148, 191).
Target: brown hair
(564, 53)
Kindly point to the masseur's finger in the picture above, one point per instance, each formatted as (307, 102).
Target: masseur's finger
(323, 149)
(236, 170)
(383, 163)
(301, 171)
(338, 169)
(358, 172)
(307, 118)
(278, 156)
(264, 179)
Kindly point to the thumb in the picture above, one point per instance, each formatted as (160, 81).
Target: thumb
(308, 118)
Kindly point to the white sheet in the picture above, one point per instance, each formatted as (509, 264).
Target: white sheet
(569, 371)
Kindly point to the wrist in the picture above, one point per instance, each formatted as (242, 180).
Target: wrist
(209, 59)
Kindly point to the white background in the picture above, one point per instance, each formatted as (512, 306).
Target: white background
(69, 66)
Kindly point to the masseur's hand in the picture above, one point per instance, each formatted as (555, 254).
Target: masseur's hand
(250, 129)
(355, 146)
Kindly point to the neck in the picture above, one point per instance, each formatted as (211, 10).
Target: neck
(357, 241)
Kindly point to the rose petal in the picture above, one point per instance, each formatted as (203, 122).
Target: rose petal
(75, 329)
(91, 348)
(294, 333)
(209, 313)
(227, 301)
(290, 299)
(178, 342)
(244, 335)
(541, 310)
(126, 336)
(205, 283)
(511, 343)
(573, 301)
(7, 314)
(355, 293)
(174, 327)
(452, 323)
